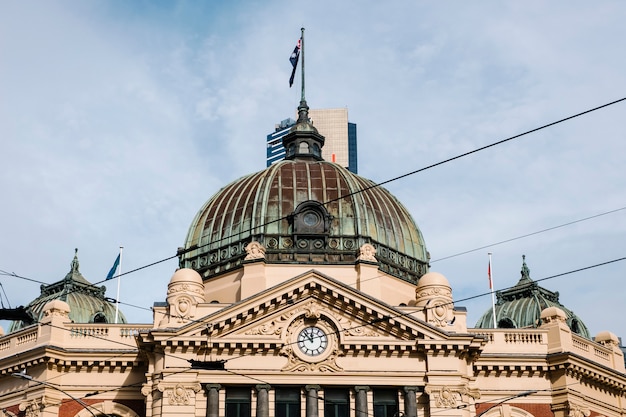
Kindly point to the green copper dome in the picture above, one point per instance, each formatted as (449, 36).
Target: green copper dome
(521, 306)
(87, 302)
(304, 210)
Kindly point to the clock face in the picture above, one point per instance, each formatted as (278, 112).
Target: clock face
(312, 341)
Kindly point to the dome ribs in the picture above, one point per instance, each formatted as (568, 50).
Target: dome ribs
(261, 207)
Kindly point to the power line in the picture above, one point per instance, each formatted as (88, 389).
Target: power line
(528, 234)
(375, 185)
(402, 314)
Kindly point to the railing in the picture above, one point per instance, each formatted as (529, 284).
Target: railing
(527, 341)
(592, 350)
(72, 335)
(535, 341)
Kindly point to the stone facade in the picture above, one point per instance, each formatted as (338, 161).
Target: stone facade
(292, 340)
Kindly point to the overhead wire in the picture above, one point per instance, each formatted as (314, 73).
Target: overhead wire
(528, 235)
(383, 183)
(375, 185)
(234, 371)
(13, 274)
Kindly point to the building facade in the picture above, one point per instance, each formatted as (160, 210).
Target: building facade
(341, 138)
(303, 292)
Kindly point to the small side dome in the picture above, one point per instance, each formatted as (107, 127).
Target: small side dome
(524, 305)
(57, 305)
(184, 292)
(433, 278)
(607, 338)
(553, 313)
(55, 308)
(87, 303)
(434, 295)
(186, 275)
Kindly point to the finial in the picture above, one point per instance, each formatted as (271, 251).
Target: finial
(75, 264)
(525, 270)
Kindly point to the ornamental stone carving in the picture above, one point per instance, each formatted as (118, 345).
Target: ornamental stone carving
(576, 410)
(55, 309)
(179, 393)
(553, 315)
(184, 292)
(254, 250)
(444, 397)
(297, 361)
(34, 407)
(451, 396)
(434, 295)
(367, 252)
(274, 327)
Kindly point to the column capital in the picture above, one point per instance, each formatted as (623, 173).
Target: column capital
(260, 387)
(209, 387)
(361, 388)
(312, 387)
(408, 389)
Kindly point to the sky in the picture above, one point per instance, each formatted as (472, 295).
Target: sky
(118, 120)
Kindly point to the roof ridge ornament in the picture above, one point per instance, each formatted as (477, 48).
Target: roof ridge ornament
(75, 264)
(525, 272)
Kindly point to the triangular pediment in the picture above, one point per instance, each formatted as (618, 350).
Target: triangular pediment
(311, 296)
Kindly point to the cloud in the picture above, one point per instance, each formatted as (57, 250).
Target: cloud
(119, 120)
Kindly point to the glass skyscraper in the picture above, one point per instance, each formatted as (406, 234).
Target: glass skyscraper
(341, 137)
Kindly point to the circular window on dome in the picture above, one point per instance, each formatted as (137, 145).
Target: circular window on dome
(310, 218)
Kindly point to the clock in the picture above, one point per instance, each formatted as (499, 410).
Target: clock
(312, 341)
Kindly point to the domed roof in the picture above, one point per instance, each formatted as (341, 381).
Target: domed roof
(86, 301)
(433, 278)
(304, 210)
(521, 306)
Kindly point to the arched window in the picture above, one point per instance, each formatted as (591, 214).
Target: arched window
(99, 317)
(506, 323)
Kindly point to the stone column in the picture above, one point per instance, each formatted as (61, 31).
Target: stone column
(410, 402)
(312, 406)
(213, 400)
(361, 400)
(263, 400)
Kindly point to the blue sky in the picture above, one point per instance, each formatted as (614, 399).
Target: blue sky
(118, 120)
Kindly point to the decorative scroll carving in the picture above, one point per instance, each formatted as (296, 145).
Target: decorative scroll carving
(576, 410)
(34, 407)
(450, 397)
(179, 393)
(275, 326)
(311, 311)
(351, 329)
(254, 250)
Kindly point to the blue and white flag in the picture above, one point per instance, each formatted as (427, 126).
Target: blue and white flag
(294, 60)
(113, 270)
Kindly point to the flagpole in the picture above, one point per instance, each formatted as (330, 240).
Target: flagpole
(117, 299)
(493, 300)
(302, 67)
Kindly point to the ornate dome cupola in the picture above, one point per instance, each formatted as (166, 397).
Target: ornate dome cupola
(520, 306)
(303, 140)
(87, 302)
(304, 210)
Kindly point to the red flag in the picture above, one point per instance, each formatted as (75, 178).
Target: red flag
(489, 275)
